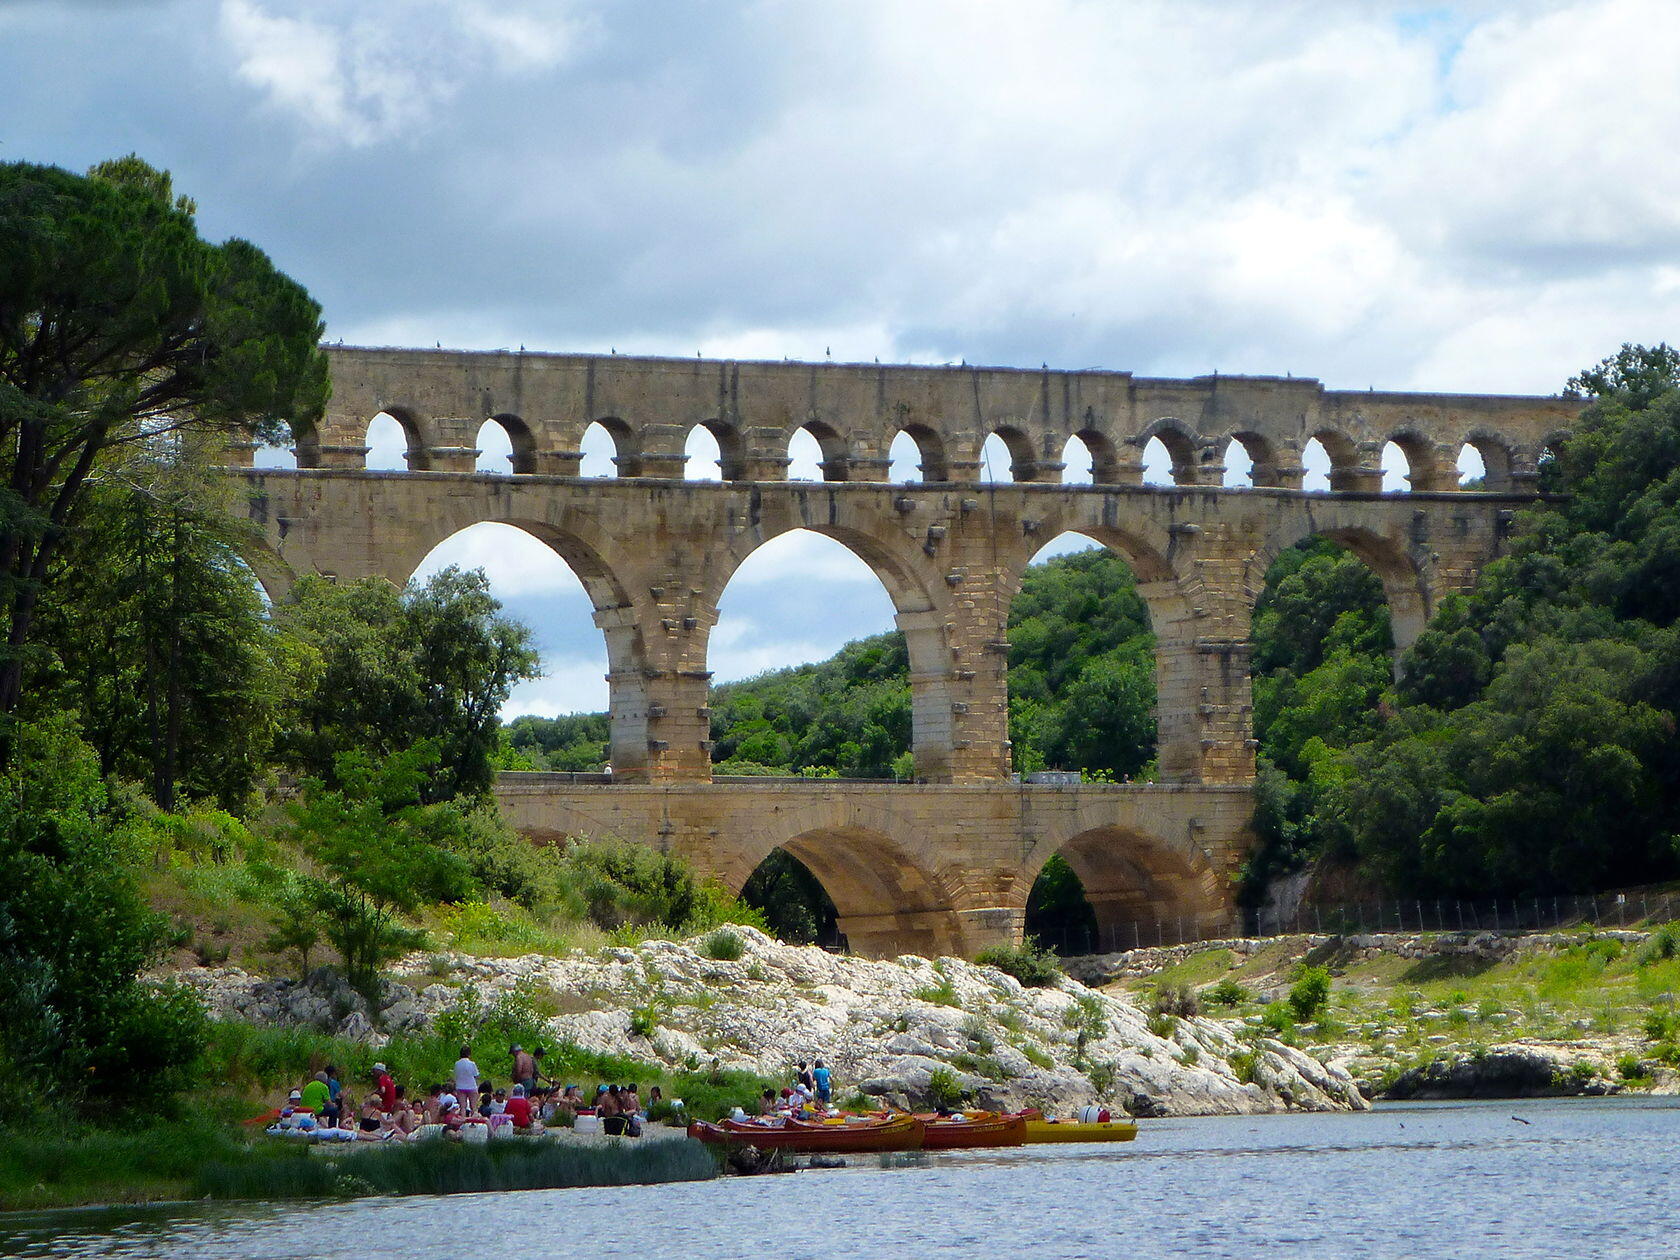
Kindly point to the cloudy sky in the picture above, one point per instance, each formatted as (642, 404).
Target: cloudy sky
(1481, 196)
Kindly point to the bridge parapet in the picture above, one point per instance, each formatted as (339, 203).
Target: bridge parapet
(649, 405)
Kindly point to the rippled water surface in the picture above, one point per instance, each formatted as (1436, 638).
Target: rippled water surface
(1581, 1179)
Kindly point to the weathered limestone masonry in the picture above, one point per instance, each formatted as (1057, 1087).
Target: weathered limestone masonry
(945, 863)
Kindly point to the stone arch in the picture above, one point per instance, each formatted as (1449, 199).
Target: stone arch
(1181, 442)
(610, 608)
(1079, 462)
(1141, 889)
(905, 464)
(1261, 455)
(1343, 455)
(626, 444)
(1405, 586)
(835, 461)
(1023, 462)
(913, 588)
(417, 445)
(1116, 723)
(731, 450)
(887, 902)
(930, 451)
(1105, 459)
(1418, 450)
(1495, 453)
(522, 455)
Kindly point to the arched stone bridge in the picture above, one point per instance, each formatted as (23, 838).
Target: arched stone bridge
(945, 863)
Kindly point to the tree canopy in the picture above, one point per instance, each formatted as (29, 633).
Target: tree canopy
(120, 325)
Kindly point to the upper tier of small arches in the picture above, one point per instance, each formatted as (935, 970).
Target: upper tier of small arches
(561, 415)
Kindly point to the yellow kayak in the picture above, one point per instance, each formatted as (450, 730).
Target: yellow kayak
(1080, 1131)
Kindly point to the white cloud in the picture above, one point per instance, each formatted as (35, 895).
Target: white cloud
(361, 74)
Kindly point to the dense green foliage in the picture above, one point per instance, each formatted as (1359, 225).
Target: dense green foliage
(153, 633)
(793, 901)
(572, 742)
(79, 1025)
(119, 324)
(432, 662)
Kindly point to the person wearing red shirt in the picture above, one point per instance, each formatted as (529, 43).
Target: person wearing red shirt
(519, 1108)
(387, 1088)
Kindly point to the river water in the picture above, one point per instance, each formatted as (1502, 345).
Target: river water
(1583, 1178)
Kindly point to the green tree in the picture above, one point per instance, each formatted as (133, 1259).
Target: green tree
(118, 325)
(375, 855)
(79, 1024)
(433, 662)
(159, 639)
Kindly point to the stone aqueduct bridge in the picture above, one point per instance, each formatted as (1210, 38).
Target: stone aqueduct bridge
(944, 864)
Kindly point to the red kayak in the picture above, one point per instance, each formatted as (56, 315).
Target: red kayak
(983, 1132)
(899, 1133)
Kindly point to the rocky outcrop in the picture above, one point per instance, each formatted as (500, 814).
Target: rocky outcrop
(1511, 1071)
(884, 1027)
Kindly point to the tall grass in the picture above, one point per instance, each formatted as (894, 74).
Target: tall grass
(452, 1168)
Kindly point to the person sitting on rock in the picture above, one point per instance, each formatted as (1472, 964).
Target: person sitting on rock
(405, 1116)
(767, 1103)
(630, 1104)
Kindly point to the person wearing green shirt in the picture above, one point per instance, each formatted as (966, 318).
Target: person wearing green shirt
(316, 1095)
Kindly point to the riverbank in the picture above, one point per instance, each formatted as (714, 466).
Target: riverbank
(905, 1032)
(161, 1161)
(1445, 1015)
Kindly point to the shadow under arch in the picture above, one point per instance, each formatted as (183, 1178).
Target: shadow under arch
(1141, 891)
(1422, 472)
(731, 451)
(1495, 452)
(885, 902)
(1023, 463)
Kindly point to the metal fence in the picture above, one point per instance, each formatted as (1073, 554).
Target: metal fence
(1510, 914)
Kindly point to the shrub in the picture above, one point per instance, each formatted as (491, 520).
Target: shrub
(1163, 1025)
(1177, 999)
(943, 1088)
(1190, 1056)
(1087, 1019)
(1102, 1077)
(1631, 1070)
(979, 1036)
(723, 945)
(1662, 945)
(1661, 1025)
(1030, 963)
(1226, 993)
(1310, 993)
(1037, 1057)
(944, 993)
(644, 1021)
(1243, 1064)
(1278, 1018)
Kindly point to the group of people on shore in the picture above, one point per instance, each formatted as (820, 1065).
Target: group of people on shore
(812, 1090)
(467, 1107)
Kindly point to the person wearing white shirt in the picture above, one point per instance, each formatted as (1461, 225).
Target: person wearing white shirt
(466, 1081)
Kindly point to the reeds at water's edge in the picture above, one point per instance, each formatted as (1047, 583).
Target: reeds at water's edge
(451, 1168)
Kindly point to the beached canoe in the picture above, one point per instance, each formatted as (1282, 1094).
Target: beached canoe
(1079, 1131)
(979, 1132)
(899, 1133)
